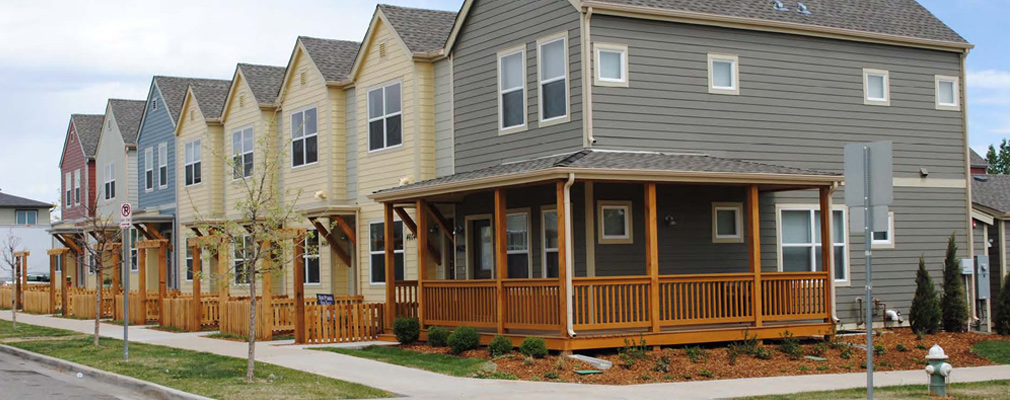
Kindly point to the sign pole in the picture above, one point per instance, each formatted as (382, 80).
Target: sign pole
(867, 231)
(125, 221)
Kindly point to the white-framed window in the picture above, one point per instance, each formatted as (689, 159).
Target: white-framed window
(134, 238)
(615, 222)
(552, 55)
(799, 240)
(517, 244)
(723, 73)
(77, 187)
(26, 217)
(243, 248)
(727, 222)
(385, 117)
(189, 261)
(885, 239)
(611, 64)
(512, 89)
(304, 138)
(149, 169)
(549, 238)
(59, 265)
(242, 153)
(876, 87)
(310, 258)
(193, 162)
(163, 165)
(110, 181)
(377, 251)
(68, 184)
(948, 93)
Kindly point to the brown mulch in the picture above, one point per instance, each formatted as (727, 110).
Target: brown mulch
(716, 364)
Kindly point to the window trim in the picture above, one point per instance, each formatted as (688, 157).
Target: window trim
(734, 61)
(187, 260)
(889, 243)
(234, 266)
(956, 105)
(541, 42)
(543, 241)
(529, 238)
(149, 167)
(25, 210)
(403, 250)
(737, 209)
(109, 173)
(815, 207)
(614, 48)
(77, 187)
(521, 50)
(886, 101)
(242, 153)
(134, 235)
(68, 203)
(194, 144)
(628, 237)
(162, 163)
(369, 120)
(306, 255)
(305, 137)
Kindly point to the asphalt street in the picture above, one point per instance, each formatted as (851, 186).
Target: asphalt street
(25, 380)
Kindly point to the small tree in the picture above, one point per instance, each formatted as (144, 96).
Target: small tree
(998, 160)
(1001, 318)
(12, 244)
(925, 314)
(955, 310)
(99, 248)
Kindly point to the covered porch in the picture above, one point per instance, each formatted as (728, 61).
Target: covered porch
(590, 249)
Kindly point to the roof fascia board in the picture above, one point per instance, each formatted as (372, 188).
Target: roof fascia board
(185, 103)
(289, 70)
(143, 116)
(464, 10)
(231, 91)
(66, 140)
(367, 42)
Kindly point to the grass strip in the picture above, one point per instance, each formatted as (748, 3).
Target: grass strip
(440, 363)
(997, 351)
(991, 390)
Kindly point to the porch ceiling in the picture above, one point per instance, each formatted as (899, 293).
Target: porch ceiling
(618, 166)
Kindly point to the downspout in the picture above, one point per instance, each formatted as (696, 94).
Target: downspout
(834, 294)
(569, 265)
(587, 79)
(963, 93)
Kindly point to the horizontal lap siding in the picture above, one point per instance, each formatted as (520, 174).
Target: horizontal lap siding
(73, 159)
(157, 128)
(801, 98)
(350, 129)
(492, 26)
(111, 149)
(201, 200)
(443, 118)
(240, 117)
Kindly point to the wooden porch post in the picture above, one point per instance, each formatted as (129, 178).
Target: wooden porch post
(19, 266)
(827, 248)
(196, 308)
(63, 284)
(754, 247)
(268, 295)
(162, 288)
(500, 252)
(299, 288)
(390, 260)
(52, 283)
(142, 278)
(652, 254)
(562, 258)
(421, 214)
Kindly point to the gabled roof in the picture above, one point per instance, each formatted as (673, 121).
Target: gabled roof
(128, 115)
(333, 58)
(89, 129)
(11, 201)
(423, 31)
(173, 92)
(992, 192)
(210, 96)
(977, 161)
(264, 81)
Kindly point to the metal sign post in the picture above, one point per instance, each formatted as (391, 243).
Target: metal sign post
(868, 192)
(125, 220)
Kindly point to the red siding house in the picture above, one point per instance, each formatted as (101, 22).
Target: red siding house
(77, 166)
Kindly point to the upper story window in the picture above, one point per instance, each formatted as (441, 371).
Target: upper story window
(512, 90)
(552, 55)
(727, 223)
(304, 139)
(110, 181)
(723, 74)
(68, 186)
(615, 222)
(193, 163)
(242, 153)
(77, 187)
(310, 258)
(876, 87)
(385, 117)
(377, 251)
(611, 64)
(26, 217)
(163, 165)
(149, 168)
(947, 93)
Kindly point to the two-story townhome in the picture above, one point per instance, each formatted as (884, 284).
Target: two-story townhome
(77, 176)
(672, 169)
(990, 196)
(27, 220)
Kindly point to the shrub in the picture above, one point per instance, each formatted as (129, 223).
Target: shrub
(463, 339)
(846, 354)
(499, 346)
(900, 347)
(924, 316)
(790, 346)
(762, 353)
(533, 347)
(551, 375)
(955, 309)
(438, 336)
(407, 330)
(706, 373)
(819, 349)
(879, 350)
(1001, 317)
(662, 364)
(696, 354)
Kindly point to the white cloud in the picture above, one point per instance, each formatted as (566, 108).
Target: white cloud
(989, 79)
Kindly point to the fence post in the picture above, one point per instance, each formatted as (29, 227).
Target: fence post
(197, 307)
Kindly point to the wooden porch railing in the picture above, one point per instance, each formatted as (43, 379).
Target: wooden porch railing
(406, 299)
(455, 303)
(531, 303)
(708, 298)
(611, 302)
(790, 296)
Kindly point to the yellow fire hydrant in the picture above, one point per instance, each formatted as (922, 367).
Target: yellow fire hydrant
(938, 371)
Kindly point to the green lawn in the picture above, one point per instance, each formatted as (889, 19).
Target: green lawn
(441, 363)
(994, 390)
(29, 331)
(997, 351)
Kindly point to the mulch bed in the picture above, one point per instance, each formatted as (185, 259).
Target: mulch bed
(715, 360)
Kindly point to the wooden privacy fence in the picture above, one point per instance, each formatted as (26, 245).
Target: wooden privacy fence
(345, 321)
(83, 305)
(37, 301)
(6, 296)
(179, 312)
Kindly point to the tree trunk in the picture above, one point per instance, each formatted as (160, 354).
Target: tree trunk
(251, 361)
(14, 310)
(98, 304)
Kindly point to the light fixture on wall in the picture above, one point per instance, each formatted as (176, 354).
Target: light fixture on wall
(458, 231)
(670, 221)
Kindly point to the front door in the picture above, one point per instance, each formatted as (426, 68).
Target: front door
(481, 245)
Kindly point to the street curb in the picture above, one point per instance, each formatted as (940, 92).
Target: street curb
(153, 390)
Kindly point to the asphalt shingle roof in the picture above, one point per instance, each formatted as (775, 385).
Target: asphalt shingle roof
(210, 96)
(128, 115)
(613, 160)
(905, 18)
(424, 31)
(977, 161)
(334, 58)
(264, 80)
(89, 129)
(11, 201)
(992, 191)
(173, 91)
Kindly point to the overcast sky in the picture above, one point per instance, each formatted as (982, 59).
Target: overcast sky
(63, 57)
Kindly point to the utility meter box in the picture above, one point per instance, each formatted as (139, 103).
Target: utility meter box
(982, 277)
(967, 266)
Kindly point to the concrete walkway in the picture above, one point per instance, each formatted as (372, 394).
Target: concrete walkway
(418, 384)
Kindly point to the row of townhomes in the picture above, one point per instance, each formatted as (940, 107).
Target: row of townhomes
(579, 170)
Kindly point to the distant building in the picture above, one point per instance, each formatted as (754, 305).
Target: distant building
(29, 220)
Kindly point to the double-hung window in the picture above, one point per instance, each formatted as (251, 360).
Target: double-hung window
(512, 89)
(77, 187)
(242, 152)
(26, 217)
(723, 74)
(310, 258)
(149, 168)
(611, 64)
(947, 95)
(615, 222)
(304, 139)
(68, 185)
(800, 241)
(876, 87)
(550, 240)
(134, 238)
(377, 251)
(517, 243)
(243, 248)
(110, 181)
(163, 165)
(552, 54)
(385, 115)
(189, 262)
(193, 162)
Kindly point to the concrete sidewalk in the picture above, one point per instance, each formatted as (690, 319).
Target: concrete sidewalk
(413, 383)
